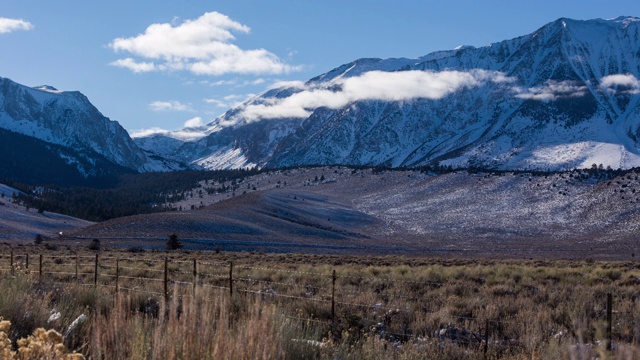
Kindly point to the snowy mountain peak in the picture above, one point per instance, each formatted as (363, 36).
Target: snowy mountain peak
(565, 96)
(67, 123)
(625, 20)
(47, 88)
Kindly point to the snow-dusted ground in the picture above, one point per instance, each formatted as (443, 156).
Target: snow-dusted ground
(403, 212)
(19, 224)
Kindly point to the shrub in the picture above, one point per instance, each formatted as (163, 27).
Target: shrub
(95, 245)
(173, 243)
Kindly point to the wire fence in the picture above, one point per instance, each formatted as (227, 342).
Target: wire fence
(381, 305)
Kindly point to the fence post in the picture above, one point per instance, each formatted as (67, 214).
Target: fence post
(95, 273)
(27, 264)
(333, 296)
(486, 338)
(40, 269)
(117, 274)
(230, 279)
(166, 280)
(195, 275)
(77, 264)
(609, 320)
(12, 263)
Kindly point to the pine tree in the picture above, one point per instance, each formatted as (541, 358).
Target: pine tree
(173, 243)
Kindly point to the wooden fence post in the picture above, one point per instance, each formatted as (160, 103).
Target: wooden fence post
(195, 275)
(40, 269)
(486, 338)
(166, 280)
(333, 296)
(230, 279)
(12, 263)
(117, 274)
(77, 264)
(27, 264)
(609, 320)
(95, 273)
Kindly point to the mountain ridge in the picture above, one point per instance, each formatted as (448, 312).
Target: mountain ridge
(72, 130)
(561, 97)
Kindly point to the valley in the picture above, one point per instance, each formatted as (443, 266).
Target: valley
(342, 210)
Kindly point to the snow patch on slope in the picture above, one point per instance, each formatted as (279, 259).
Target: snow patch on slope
(225, 158)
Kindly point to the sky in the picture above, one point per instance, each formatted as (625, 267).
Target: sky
(169, 64)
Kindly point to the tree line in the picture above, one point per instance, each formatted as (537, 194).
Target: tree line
(133, 194)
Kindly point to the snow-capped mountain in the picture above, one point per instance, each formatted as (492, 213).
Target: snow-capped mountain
(69, 129)
(564, 96)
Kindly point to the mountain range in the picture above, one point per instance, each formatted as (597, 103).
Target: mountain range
(562, 97)
(566, 96)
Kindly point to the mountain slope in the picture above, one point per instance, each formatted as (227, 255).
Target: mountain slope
(71, 129)
(564, 96)
(21, 224)
(581, 214)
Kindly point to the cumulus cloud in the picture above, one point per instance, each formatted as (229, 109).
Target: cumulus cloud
(169, 106)
(9, 25)
(373, 85)
(625, 83)
(202, 46)
(193, 122)
(552, 90)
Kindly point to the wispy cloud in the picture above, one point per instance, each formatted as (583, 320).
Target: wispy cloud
(9, 25)
(202, 46)
(135, 66)
(624, 83)
(228, 101)
(552, 90)
(373, 85)
(169, 106)
(219, 82)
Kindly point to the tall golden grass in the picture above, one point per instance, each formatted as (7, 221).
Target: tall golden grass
(281, 306)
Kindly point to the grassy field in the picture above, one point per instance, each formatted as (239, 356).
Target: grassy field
(291, 306)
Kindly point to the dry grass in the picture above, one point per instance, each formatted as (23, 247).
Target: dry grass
(385, 307)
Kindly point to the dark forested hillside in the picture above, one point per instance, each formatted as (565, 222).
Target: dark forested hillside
(19, 153)
(130, 194)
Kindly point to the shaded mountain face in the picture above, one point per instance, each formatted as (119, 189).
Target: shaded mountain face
(68, 132)
(562, 97)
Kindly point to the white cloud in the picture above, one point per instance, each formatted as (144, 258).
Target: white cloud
(136, 67)
(625, 83)
(169, 106)
(552, 90)
(138, 133)
(257, 81)
(8, 25)
(202, 46)
(193, 122)
(373, 85)
(228, 101)
(216, 102)
(219, 82)
(186, 134)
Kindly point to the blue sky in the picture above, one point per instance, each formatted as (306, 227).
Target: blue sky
(161, 64)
